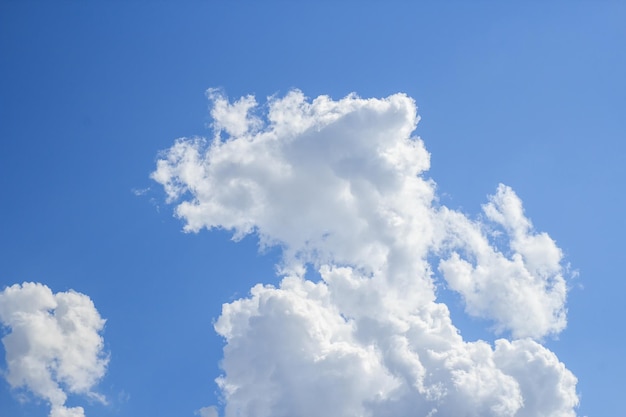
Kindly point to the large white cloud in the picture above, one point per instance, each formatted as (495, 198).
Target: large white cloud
(340, 186)
(54, 347)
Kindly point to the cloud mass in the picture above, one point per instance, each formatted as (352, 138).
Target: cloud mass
(54, 347)
(340, 186)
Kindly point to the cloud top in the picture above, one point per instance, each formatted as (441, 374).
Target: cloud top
(54, 347)
(340, 185)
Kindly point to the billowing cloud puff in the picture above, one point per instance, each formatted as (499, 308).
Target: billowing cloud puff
(340, 186)
(54, 345)
(523, 292)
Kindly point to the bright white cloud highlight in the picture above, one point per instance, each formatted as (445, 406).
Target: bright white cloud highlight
(523, 291)
(339, 186)
(53, 347)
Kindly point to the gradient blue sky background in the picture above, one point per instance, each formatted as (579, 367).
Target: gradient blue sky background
(532, 95)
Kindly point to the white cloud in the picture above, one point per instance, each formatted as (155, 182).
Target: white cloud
(210, 411)
(523, 291)
(339, 186)
(54, 345)
(232, 118)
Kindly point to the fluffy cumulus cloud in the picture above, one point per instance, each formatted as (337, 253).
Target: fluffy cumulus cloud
(53, 346)
(340, 186)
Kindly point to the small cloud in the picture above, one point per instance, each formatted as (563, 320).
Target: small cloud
(140, 191)
(54, 347)
(210, 411)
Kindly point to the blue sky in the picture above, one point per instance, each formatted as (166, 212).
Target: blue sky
(531, 96)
